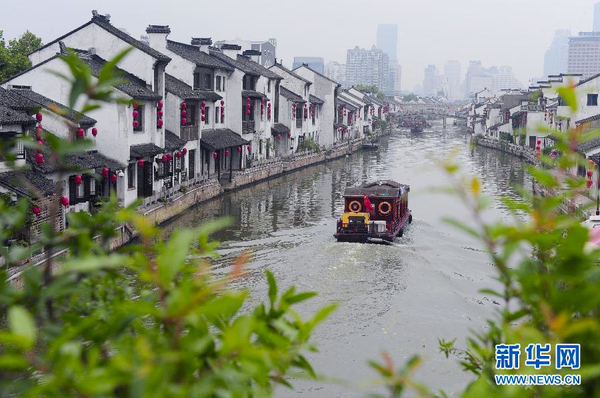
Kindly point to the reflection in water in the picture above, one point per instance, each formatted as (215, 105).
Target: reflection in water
(400, 298)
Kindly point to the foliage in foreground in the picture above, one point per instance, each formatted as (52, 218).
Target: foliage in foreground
(149, 319)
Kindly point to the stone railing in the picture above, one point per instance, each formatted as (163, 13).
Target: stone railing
(505, 146)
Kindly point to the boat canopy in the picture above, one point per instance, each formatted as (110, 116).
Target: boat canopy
(386, 188)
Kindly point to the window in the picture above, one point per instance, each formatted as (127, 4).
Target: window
(207, 115)
(131, 175)
(177, 163)
(592, 99)
(247, 117)
(10, 140)
(218, 84)
(79, 192)
(207, 82)
(191, 115)
(140, 119)
(269, 86)
(217, 112)
(260, 144)
(223, 82)
(92, 184)
(196, 80)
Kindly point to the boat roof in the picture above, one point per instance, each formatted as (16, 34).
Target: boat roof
(378, 188)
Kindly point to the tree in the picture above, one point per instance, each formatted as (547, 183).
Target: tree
(14, 57)
(410, 97)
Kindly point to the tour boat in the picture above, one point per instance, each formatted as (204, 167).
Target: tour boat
(374, 212)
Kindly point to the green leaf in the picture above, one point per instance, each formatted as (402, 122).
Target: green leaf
(300, 297)
(462, 227)
(21, 323)
(568, 95)
(13, 362)
(92, 263)
(272, 288)
(173, 256)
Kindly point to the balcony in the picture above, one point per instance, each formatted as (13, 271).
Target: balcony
(248, 127)
(189, 133)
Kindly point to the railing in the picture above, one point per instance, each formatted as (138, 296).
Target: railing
(248, 127)
(532, 108)
(189, 133)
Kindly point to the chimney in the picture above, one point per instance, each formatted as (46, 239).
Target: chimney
(158, 36)
(203, 43)
(231, 50)
(254, 55)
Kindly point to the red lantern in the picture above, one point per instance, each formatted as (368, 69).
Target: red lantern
(239, 149)
(202, 111)
(64, 200)
(39, 129)
(248, 99)
(169, 156)
(160, 104)
(269, 105)
(141, 162)
(38, 117)
(113, 178)
(222, 102)
(537, 148)
(215, 155)
(94, 131)
(589, 183)
(185, 151)
(40, 141)
(78, 179)
(160, 123)
(248, 112)
(590, 173)
(183, 105)
(104, 172)
(539, 142)
(80, 133)
(135, 124)
(278, 136)
(36, 210)
(135, 105)
(183, 113)
(178, 154)
(289, 135)
(203, 118)
(165, 159)
(135, 114)
(39, 158)
(183, 121)
(249, 148)
(159, 113)
(203, 104)
(226, 152)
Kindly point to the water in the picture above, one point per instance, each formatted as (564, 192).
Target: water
(398, 298)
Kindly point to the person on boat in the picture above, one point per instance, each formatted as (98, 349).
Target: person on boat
(368, 204)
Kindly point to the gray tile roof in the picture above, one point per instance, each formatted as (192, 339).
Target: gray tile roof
(350, 106)
(103, 22)
(144, 150)
(339, 126)
(315, 100)
(589, 145)
(234, 63)
(510, 101)
(27, 183)
(193, 54)
(11, 100)
(317, 73)
(78, 161)
(258, 68)
(55, 107)
(186, 92)
(588, 119)
(10, 116)
(297, 76)
(290, 95)
(221, 139)
(133, 86)
(279, 128)
(252, 94)
(172, 142)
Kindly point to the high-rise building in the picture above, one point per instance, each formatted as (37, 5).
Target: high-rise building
(494, 79)
(267, 48)
(584, 54)
(597, 17)
(555, 59)
(387, 40)
(396, 71)
(336, 71)
(431, 81)
(368, 67)
(315, 63)
(503, 78)
(452, 71)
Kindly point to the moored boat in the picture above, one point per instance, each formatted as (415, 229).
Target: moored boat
(374, 212)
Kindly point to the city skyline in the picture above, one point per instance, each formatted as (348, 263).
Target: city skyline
(467, 16)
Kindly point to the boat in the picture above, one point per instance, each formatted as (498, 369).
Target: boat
(374, 212)
(370, 144)
(416, 129)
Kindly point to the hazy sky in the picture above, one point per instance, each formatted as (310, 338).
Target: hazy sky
(497, 32)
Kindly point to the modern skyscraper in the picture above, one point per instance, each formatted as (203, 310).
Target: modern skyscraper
(555, 59)
(452, 80)
(396, 71)
(387, 40)
(315, 63)
(431, 80)
(368, 67)
(597, 17)
(336, 71)
(584, 51)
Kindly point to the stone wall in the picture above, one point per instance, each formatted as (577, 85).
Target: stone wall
(525, 153)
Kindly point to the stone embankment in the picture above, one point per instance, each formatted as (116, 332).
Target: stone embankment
(580, 205)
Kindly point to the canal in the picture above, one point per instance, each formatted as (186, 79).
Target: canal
(398, 298)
